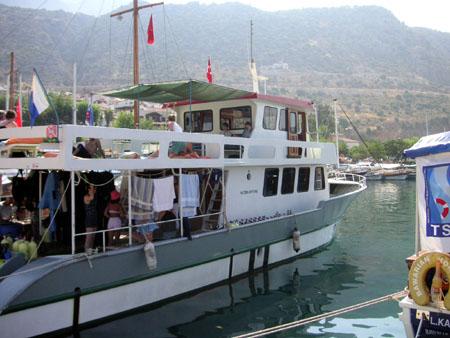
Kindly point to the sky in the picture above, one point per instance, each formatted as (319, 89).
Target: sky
(416, 13)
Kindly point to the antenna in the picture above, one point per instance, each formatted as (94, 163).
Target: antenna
(251, 41)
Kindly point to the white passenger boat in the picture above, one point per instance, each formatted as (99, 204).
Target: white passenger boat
(426, 310)
(254, 202)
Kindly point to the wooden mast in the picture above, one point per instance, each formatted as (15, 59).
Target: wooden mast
(135, 11)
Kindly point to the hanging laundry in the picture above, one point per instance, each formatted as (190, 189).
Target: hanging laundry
(141, 198)
(163, 194)
(190, 194)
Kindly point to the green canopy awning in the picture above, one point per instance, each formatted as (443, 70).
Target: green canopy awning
(188, 90)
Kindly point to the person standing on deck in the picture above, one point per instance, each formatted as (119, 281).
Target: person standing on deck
(90, 217)
(247, 130)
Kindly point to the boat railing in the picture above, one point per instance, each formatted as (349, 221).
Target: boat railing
(131, 149)
(263, 151)
(342, 176)
(134, 235)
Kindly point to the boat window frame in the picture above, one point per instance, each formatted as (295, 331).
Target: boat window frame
(202, 113)
(282, 123)
(230, 119)
(319, 182)
(287, 187)
(269, 173)
(268, 123)
(304, 174)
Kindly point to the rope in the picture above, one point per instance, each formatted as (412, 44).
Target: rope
(180, 58)
(91, 31)
(72, 257)
(326, 315)
(56, 44)
(32, 12)
(93, 184)
(419, 329)
(148, 64)
(51, 222)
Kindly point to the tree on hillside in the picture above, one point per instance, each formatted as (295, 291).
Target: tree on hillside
(126, 120)
(376, 150)
(359, 153)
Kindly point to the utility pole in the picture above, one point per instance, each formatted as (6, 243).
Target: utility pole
(74, 103)
(135, 11)
(11, 82)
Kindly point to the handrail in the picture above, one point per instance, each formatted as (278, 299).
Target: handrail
(123, 228)
(341, 176)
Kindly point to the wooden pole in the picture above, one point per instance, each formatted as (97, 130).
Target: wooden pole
(136, 59)
(135, 11)
(11, 82)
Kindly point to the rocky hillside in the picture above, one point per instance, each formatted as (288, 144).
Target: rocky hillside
(385, 74)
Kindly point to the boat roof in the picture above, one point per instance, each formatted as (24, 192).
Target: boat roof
(185, 92)
(428, 145)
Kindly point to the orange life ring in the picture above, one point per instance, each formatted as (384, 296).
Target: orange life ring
(418, 288)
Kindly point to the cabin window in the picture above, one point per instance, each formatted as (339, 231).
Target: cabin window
(203, 121)
(270, 118)
(235, 117)
(282, 125)
(303, 179)
(293, 122)
(271, 182)
(319, 179)
(287, 184)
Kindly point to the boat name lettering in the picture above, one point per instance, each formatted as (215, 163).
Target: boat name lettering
(246, 192)
(442, 322)
(416, 273)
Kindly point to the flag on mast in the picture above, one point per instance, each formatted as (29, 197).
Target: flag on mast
(209, 72)
(19, 113)
(38, 99)
(150, 32)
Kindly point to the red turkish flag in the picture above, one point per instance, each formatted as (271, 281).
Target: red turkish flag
(209, 72)
(150, 33)
(18, 114)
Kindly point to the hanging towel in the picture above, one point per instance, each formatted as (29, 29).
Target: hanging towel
(163, 194)
(141, 197)
(190, 191)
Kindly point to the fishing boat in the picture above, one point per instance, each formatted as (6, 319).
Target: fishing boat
(426, 310)
(242, 204)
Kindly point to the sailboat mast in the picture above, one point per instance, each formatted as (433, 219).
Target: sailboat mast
(136, 59)
(135, 11)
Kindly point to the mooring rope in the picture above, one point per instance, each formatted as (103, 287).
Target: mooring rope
(305, 321)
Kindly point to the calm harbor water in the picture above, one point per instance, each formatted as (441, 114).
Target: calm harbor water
(365, 261)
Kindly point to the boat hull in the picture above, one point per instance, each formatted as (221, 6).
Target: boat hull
(119, 281)
(435, 323)
(121, 299)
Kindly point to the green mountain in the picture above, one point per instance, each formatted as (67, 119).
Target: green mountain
(384, 73)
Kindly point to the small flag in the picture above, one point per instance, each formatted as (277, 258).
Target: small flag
(150, 33)
(38, 99)
(18, 113)
(209, 72)
(89, 116)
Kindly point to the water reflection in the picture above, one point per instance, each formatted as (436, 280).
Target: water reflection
(365, 261)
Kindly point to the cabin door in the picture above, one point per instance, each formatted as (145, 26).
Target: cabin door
(292, 131)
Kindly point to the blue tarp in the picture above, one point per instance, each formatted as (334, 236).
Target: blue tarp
(431, 144)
